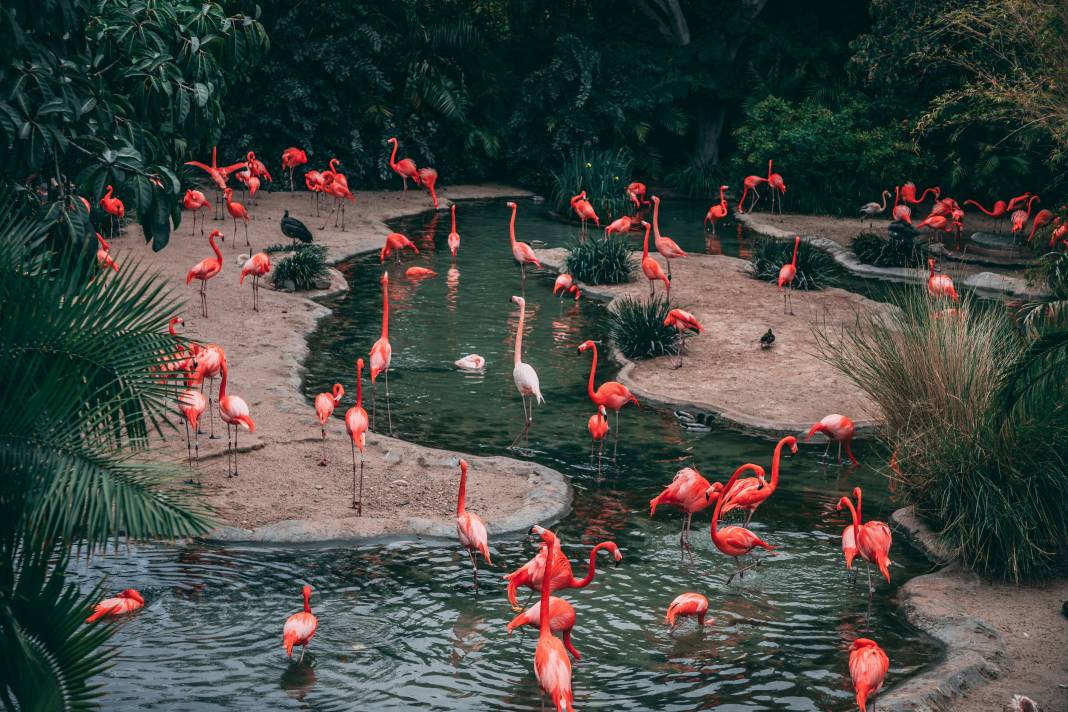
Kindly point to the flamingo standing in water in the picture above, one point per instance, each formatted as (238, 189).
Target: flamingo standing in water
(395, 244)
(682, 321)
(940, 285)
(381, 356)
(561, 620)
(257, 265)
(650, 267)
(687, 491)
(405, 167)
(871, 540)
(619, 227)
(735, 541)
(787, 277)
(838, 428)
(531, 574)
(667, 247)
(470, 528)
(523, 374)
(611, 394)
(236, 210)
(113, 207)
(356, 427)
(521, 251)
(868, 666)
(205, 270)
(552, 667)
(563, 284)
(218, 175)
(300, 628)
(749, 498)
(234, 411)
(454, 237)
(104, 260)
(584, 209)
(598, 427)
(194, 201)
(192, 404)
(291, 158)
(127, 601)
(718, 211)
(688, 604)
(324, 408)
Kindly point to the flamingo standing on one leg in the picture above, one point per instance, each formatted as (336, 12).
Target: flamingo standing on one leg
(598, 427)
(688, 604)
(735, 541)
(405, 167)
(838, 428)
(687, 491)
(667, 247)
(561, 620)
(234, 411)
(291, 158)
(470, 528)
(324, 408)
(257, 265)
(104, 260)
(611, 394)
(454, 237)
(300, 628)
(127, 601)
(205, 270)
(523, 374)
(787, 276)
(868, 666)
(718, 211)
(650, 267)
(749, 498)
(356, 427)
(194, 200)
(552, 667)
(530, 574)
(940, 285)
(381, 356)
(683, 322)
(192, 404)
(236, 210)
(113, 207)
(521, 251)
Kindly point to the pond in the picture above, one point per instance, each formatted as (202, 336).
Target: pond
(400, 626)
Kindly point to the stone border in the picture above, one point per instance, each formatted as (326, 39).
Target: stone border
(985, 284)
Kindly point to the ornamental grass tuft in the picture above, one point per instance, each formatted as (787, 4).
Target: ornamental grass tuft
(636, 328)
(815, 268)
(601, 261)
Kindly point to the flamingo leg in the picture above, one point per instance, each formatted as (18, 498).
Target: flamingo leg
(615, 442)
(235, 450)
(189, 449)
(791, 293)
(474, 569)
(374, 405)
(839, 452)
(389, 415)
(196, 453)
(322, 460)
(526, 424)
(247, 243)
(303, 648)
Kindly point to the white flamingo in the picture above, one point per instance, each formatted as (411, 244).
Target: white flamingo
(524, 375)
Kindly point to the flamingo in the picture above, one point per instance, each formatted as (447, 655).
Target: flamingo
(683, 322)
(336, 185)
(944, 207)
(236, 210)
(234, 411)
(257, 168)
(313, 181)
(1042, 217)
(381, 356)
(454, 237)
(935, 222)
(208, 362)
(718, 211)
(521, 251)
(1019, 200)
(356, 427)
(735, 541)
(611, 394)
(636, 192)
(523, 374)
(688, 604)
(908, 193)
(584, 209)
(300, 628)
(868, 666)
(1019, 218)
(564, 283)
(470, 528)
(419, 273)
(531, 574)
(192, 404)
(750, 498)
(561, 620)
(650, 267)
(205, 270)
(619, 227)
(598, 427)
(291, 158)
(127, 601)
(996, 211)
(849, 535)
(405, 167)
(838, 428)
(776, 183)
(257, 265)
(1059, 233)
(194, 200)
(667, 247)
(872, 539)
(687, 491)
(217, 174)
(324, 408)
(870, 210)
(940, 285)
(395, 244)
(113, 207)
(471, 362)
(429, 178)
(104, 259)
(787, 276)
(750, 184)
(552, 667)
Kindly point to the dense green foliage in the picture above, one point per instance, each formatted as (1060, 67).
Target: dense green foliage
(815, 268)
(977, 418)
(604, 175)
(601, 261)
(888, 251)
(303, 268)
(636, 328)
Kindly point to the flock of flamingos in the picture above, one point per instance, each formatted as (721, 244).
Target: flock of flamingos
(550, 570)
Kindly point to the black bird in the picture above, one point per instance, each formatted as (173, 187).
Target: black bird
(767, 340)
(295, 230)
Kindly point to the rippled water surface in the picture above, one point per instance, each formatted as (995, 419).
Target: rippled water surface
(400, 627)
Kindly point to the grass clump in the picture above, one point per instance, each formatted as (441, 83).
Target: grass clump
(977, 419)
(636, 328)
(604, 175)
(815, 268)
(598, 261)
(303, 268)
(890, 251)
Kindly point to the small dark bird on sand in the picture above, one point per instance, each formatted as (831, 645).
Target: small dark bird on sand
(767, 340)
(295, 230)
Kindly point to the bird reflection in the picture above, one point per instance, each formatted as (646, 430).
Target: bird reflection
(713, 245)
(466, 638)
(452, 288)
(743, 244)
(298, 679)
(427, 233)
(604, 513)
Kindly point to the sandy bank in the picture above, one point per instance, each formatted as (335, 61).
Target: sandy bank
(282, 494)
(781, 390)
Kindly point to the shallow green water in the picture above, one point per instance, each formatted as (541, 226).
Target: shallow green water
(399, 626)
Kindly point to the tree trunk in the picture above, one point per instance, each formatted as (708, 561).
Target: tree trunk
(709, 128)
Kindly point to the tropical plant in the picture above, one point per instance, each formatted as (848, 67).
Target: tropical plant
(84, 348)
(305, 267)
(636, 327)
(600, 261)
(890, 251)
(815, 268)
(603, 175)
(977, 421)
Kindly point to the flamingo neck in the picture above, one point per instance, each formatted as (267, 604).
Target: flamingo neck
(593, 371)
(775, 464)
(797, 243)
(222, 384)
(454, 217)
(307, 602)
(511, 226)
(593, 565)
(461, 500)
(519, 335)
(923, 195)
(769, 170)
(886, 194)
(723, 495)
(214, 152)
(856, 520)
(645, 242)
(860, 506)
(218, 254)
(897, 196)
(359, 384)
(546, 587)
(931, 264)
(393, 156)
(1029, 202)
(106, 246)
(385, 309)
(656, 223)
(107, 195)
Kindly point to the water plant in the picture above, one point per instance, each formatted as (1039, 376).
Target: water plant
(890, 251)
(815, 268)
(600, 261)
(604, 175)
(636, 328)
(303, 268)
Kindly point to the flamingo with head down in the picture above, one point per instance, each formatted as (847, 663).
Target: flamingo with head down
(552, 667)
(611, 394)
(127, 601)
(396, 243)
(868, 666)
(688, 491)
(755, 493)
(838, 428)
(683, 322)
(735, 541)
(324, 408)
(561, 620)
(688, 604)
(531, 574)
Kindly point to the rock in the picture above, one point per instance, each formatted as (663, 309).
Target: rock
(322, 283)
(399, 483)
(289, 286)
(318, 487)
(392, 457)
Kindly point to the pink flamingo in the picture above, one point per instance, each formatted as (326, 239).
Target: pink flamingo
(636, 192)
(127, 601)
(776, 183)
(208, 362)
(688, 604)
(395, 244)
(619, 227)
(531, 574)
(218, 175)
(611, 394)
(300, 628)
(454, 237)
(236, 210)
(194, 200)
(667, 247)
(787, 276)
(291, 158)
(1020, 217)
(561, 620)
(650, 267)
(901, 212)
(750, 184)
(405, 167)
(234, 411)
(324, 408)
(356, 427)
(552, 667)
(749, 498)
(584, 209)
(313, 181)
(940, 285)
(683, 322)
(872, 539)
(419, 273)
(908, 193)
(205, 270)
(735, 541)
(521, 251)
(1042, 217)
(868, 666)
(429, 178)
(103, 255)
(470, 528)
(381, 356)
(113, 207)
(523, 375)
(563, 284)
(688, 491)
(718, 211)
(597, 426)
(192, 404)
(257, 266)
(838, 428)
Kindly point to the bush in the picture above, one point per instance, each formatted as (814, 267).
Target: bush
(599, 261)
(873, 249)
(604, 175)
(636, 328)
(976, 418)
(815, 268)
(306, 266)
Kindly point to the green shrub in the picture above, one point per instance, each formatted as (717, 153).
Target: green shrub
(599, 261)
(700, 180)
(815, 268)
(604, 175)
(873, 249)
(976, 417)
(636, 328)
(304, 267)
